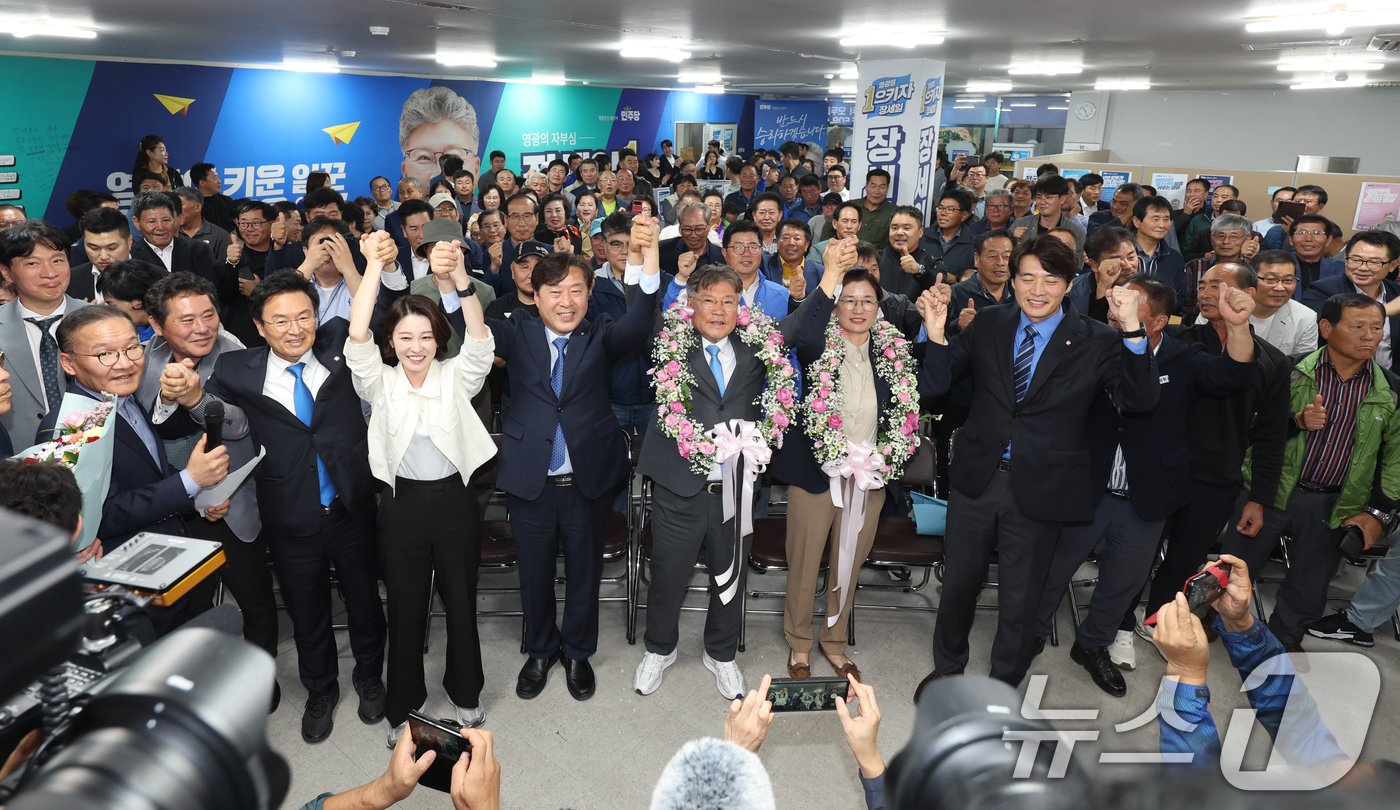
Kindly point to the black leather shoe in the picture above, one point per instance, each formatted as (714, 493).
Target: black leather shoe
(1101, 668)
(578, 675)
(372, 699)
(1037, 647)
(276, 696)
(319, 717)
(533, 676)
(930, 678)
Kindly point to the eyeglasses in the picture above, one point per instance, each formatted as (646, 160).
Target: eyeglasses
(944, 209)
(618, 245)
(1278, 281)
(1374, 264)
(522, 217)
(1309, 233)
(109, 358)
(695, 229)
(1229, 237)
(424, 156)
(859, 304)
(745, 247)
(991, 206)
(717, 303)
(303, 321)
(252, 224)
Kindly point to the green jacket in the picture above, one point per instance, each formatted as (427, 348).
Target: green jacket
(1377, 439)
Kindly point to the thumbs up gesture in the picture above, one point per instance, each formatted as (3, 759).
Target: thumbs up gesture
(908, 263)
(968, 313)
(235, 249)
(1313, 416)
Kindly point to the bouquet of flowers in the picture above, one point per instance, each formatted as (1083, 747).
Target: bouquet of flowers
(81, 443)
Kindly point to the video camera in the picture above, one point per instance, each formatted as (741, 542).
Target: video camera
(181, 723)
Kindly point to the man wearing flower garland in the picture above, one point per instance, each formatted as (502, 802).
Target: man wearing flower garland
(1020, 468)
(710, 370)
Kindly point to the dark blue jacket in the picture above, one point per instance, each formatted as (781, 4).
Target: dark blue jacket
(1322, 289)
(1169, 268)
(671, 249)
(631, 385)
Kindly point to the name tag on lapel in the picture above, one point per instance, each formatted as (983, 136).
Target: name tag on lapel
(1164, 379)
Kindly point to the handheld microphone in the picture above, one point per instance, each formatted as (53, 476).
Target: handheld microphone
(213, 425)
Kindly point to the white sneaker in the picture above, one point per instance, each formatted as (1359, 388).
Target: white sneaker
(1121, 651)
(470, 718)
(649, 672)
(1145, 630)
(394, 733)
(727, 676)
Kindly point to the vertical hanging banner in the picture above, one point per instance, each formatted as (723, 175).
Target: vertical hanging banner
(898, 107)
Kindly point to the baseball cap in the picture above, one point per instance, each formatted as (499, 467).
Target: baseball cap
(440, 198)
(439, 230)
(596, 228)
(529, 248)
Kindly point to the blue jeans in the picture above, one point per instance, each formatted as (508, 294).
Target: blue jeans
(1379, 595)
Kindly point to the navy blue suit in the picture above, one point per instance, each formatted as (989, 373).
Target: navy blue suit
(1322, 289)
(671, 249)
(572, 511)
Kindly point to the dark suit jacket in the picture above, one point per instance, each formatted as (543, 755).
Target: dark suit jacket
(193, 257)
(1155, 444)
(288, 487)
(7, 449)
(796, 463)
(1051, 473)
(82, 284)
(584, 409)
(144, 495)
(1322, 289)
(660, 460)
(671, 249)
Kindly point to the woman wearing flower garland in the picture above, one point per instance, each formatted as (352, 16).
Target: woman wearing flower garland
(859, 425)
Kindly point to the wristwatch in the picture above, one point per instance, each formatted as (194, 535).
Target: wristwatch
(468, 292)
(1141, 331)
(1384, 517)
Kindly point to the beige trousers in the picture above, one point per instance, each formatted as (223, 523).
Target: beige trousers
(813, 522)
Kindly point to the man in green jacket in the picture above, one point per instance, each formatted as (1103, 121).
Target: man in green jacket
(1346, 425)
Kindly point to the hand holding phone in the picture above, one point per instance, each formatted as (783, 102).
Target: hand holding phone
(808, 694)
(442, 736)
(1202, 588)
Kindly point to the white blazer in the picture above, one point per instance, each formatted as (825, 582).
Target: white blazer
(443, 403)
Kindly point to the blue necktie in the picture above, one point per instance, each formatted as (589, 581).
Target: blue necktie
(715, 367)
(1021, 369)
(306, 407)
(556, 381)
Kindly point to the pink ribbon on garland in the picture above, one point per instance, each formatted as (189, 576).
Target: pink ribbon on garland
(851, 481)
(738, 443)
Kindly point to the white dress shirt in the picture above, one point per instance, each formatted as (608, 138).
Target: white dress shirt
(280, 384)
(35, 336)
(166, 254)
(1382, 348)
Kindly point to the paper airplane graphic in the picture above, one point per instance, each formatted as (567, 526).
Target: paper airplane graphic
(175, 104)
(342, 133)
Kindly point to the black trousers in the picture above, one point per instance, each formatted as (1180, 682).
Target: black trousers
(248, 579)
(1190, 532)
(1024, 546)
(681, 528)
(1313, 559)
(560, 517)
(1124, 566)
(429, 528)
(346, 540)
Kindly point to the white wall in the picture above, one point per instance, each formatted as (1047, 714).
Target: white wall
(1255, 130)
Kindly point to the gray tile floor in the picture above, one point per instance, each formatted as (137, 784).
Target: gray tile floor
(608, 751)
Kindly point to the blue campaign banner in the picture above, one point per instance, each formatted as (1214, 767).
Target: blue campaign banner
(776, 121)
(840, 113)
(265, 130)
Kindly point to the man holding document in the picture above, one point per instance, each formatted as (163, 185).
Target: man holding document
(184, 311)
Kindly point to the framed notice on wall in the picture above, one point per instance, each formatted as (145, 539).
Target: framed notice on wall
(726, 134)
(1378, 204)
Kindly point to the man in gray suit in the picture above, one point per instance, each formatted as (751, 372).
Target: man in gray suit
(687, 507)
(184, 311)
(34, 258)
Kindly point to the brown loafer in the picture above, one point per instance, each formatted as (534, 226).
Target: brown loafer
(800, 671)
(930, 678)
(847, 669)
